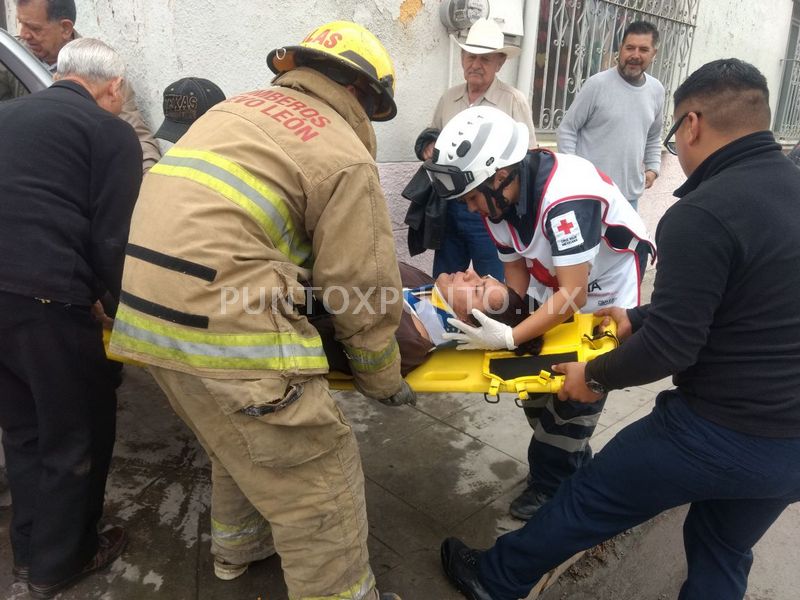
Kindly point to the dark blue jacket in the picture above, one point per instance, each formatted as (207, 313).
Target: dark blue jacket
(724, 318)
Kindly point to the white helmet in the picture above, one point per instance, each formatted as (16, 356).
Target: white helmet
(471, 148)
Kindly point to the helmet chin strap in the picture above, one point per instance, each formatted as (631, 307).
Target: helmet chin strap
(495, 201)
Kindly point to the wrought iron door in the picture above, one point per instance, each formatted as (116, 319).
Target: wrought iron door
(787, 117)
(578, 38)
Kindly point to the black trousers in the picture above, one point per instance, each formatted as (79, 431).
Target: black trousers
(58, 415)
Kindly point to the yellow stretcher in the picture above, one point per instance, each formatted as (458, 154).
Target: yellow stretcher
(493, 373)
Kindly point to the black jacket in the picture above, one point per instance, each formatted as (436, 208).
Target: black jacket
(724, 317)
(426, 214)
(69, 176)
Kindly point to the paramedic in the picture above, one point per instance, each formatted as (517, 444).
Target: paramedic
(567, 237)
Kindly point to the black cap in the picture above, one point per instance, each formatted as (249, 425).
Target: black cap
(185, 101)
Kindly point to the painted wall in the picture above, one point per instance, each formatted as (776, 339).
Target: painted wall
(227, 41)
(755, 31)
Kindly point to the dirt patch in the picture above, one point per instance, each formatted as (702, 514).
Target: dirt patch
(644, 563)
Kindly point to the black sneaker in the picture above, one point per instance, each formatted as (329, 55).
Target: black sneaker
(460, 564)
(527, 503)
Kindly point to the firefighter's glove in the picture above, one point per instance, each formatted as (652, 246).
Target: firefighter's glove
(404, 396)
(491, 335)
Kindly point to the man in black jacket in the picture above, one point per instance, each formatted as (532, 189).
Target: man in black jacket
(70, 171)
(725, 322)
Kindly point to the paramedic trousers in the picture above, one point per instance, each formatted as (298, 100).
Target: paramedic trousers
(289, 480)
(559, 445)
(737, 486)
(58, 415)
(466, 239)
(561, 430)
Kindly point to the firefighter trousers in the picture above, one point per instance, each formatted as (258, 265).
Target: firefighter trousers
(291, 478)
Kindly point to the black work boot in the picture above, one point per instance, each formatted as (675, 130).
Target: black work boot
(110, 545)
(527, 503)
(460, 564)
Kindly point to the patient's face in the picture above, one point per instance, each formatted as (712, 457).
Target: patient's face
(466, 290)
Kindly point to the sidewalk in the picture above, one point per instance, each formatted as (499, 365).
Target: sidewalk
(450, 466)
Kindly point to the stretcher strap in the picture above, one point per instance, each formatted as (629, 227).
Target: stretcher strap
(518, 372)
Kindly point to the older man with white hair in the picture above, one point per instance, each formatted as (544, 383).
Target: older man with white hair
(483, 54)
(70, 171)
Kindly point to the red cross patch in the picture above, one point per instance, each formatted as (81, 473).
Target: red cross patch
(566, 231)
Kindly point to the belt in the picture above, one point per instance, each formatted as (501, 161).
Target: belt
(64, 305)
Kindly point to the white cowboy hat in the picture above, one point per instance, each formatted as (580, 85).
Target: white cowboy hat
(485, 37)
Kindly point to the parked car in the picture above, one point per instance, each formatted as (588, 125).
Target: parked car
(20, 71)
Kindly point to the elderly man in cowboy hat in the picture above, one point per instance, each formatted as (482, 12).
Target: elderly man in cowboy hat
(482, 55)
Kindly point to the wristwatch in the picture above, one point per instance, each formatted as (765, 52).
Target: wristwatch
(595, 386)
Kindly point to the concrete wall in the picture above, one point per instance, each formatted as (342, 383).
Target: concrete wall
(227, 41)
(755, 31)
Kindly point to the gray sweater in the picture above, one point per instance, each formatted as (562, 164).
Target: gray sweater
(616, 126)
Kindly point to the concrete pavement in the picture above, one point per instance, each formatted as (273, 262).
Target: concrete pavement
(450, 466)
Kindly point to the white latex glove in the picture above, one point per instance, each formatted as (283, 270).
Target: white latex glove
(492, 335)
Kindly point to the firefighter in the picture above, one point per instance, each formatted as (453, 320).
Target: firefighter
(267, 191)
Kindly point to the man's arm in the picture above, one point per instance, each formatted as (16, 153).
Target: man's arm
(521, 111)
(424, 147)
(354, 256)
(637, 316)
(576, 117)
(652, 149)
(151, 153)
(517, 276)
(566, 301)
(116, 177)
(688, 289)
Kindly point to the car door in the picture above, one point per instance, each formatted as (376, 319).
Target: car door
(20, 72)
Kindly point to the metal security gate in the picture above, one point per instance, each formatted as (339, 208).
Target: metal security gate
(578, 38)
(787, 117)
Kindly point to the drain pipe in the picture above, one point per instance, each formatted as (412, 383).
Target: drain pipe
(530, 26)
(450, 45)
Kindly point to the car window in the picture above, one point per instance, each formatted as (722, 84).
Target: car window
(20, 71)
(10, 84)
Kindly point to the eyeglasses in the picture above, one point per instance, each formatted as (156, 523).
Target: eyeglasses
(669, 143)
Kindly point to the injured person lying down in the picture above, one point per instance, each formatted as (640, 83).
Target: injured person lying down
(427, 304)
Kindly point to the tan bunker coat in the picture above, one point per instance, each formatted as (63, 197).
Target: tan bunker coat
(271, 189)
